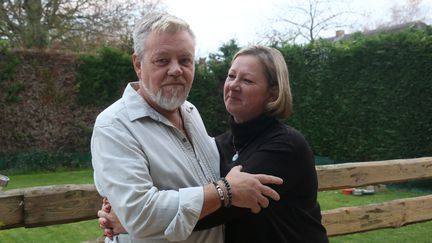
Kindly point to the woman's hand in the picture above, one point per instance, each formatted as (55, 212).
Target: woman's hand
(108, 220)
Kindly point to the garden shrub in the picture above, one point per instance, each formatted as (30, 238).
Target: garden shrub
(101, 78)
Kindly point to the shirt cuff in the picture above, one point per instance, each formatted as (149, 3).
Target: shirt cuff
(190, 205)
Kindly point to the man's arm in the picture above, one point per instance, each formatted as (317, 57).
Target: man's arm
(248, 191)
(122, 175)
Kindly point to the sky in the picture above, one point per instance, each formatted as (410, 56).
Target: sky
(215, 22)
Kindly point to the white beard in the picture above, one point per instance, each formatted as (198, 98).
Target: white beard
(170, 100)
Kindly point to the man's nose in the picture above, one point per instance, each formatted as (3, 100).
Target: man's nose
(175, 69)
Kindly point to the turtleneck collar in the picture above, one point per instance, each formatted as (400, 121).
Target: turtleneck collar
(244, 132)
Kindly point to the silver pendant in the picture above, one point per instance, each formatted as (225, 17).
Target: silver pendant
(235, 157)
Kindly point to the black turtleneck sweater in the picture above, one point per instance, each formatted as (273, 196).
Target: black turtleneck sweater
(266, 146)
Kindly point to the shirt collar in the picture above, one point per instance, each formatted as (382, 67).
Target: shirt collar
(137, 107)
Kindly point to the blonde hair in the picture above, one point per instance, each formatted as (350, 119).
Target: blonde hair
(276, 72)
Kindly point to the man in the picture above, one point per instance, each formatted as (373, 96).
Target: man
(152, 157)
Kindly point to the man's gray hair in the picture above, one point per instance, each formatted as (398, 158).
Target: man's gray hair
(157, 22)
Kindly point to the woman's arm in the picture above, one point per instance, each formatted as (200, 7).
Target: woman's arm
(287, 156)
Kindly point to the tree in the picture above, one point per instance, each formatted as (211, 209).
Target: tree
(401, 13)
(219, 63)
(207, 93)
(306, 21)
(72, 24)
(35, 33)
(411, 11)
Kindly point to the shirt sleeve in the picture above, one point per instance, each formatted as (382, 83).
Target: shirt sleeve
(122, 174)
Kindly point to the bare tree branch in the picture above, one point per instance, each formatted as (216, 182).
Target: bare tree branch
(77, 24)
(308, 20)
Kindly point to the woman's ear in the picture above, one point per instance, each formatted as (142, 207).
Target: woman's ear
(274, 93)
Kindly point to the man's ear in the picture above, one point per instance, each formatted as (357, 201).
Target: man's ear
(137, 65)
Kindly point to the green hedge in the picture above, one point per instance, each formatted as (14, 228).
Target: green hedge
(8, 65)
(207, 90)
(43, 161)
(365, 99)
(102, 77)
(368, 98)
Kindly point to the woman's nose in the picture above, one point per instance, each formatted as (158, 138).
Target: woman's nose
(234, 85)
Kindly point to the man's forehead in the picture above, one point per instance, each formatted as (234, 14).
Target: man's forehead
(165, 52)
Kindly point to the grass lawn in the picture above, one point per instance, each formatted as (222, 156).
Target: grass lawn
(45, 179)
(89, 230)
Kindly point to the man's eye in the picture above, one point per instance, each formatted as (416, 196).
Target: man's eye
(186, 61)
(161, 61)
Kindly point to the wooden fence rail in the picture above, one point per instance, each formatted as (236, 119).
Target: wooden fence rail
(41, 206)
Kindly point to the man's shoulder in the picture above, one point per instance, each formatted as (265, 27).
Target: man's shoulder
(189, 105)
(111, 113)
(190, 108)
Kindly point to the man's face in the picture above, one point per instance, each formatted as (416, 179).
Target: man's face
(167, 71)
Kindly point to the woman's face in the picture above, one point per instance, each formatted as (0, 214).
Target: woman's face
(246, 91)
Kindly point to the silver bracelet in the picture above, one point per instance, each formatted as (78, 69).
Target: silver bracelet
(221, 193)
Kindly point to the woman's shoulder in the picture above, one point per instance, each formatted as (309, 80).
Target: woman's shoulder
(223, 137)
(287, 133)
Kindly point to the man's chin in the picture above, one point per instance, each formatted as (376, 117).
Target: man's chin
(170, 104)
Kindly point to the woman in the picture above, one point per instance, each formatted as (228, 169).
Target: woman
(257, 94)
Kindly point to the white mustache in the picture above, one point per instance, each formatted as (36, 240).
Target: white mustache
(177, 81)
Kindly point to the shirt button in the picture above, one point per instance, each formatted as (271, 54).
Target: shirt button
(184, 140)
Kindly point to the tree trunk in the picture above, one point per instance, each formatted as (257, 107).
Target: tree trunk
(36, 34)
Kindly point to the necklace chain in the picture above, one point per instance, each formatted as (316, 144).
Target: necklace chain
(238, 151)
(236, 155)
(233, 143)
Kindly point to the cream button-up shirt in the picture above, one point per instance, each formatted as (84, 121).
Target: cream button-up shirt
(151, 173)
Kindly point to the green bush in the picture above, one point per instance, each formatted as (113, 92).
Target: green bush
(364, 99)
(207, 90)
(367, 98)
(101, 78)
(8, 65)
(42, 161)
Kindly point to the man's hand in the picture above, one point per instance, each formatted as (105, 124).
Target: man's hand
(108, 220)
(249, 191)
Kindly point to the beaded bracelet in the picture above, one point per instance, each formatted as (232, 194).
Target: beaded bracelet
(228, 190)
(220, 192)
